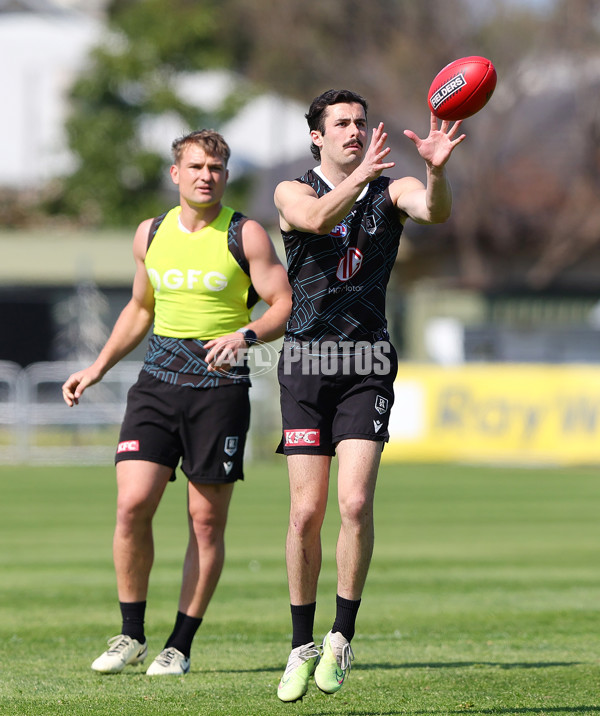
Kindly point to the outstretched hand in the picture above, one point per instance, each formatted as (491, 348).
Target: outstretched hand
(373, 163)
(437, 147)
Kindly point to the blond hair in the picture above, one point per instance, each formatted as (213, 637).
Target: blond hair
(208, 139)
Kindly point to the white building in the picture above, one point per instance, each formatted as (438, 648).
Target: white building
(44, 45)
(42, 48)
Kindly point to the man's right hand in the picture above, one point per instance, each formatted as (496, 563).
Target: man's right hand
(372, 164)
(76, 383)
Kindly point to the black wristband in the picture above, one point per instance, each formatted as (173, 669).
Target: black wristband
(249, 336)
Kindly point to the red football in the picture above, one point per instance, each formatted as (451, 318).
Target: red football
(462, 88)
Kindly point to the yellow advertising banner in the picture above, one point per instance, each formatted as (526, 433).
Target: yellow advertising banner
(499, 413)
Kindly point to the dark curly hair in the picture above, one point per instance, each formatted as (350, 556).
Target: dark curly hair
(316, 112)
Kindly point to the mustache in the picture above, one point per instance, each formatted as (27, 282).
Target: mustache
(354, 141)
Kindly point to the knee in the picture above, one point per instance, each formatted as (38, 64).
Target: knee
(208, 529)
(132, 512)
(357, 510)
(306, 520)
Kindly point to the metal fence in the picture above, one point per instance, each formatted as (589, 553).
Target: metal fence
(36, 427)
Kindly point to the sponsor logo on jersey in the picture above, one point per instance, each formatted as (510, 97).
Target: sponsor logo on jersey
(128, 446)
(349, 264)
(339, 231)
(448, 89)
(302, 437)
(377, 425)
(381, 404)
(175, 279)
(345, 289)
(231, 445)
(227, 467)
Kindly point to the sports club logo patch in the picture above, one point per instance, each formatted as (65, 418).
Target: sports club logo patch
(381, 404)
(302, 437)
(128, 446)
(339, 231)
(349, 264)
(370, 224)
(231, 445)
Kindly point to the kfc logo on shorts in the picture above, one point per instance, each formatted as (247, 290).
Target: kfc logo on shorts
(339, 231)
(349, 264)
(129, 446)
(302, 437)
(231, 445)
(381, 404)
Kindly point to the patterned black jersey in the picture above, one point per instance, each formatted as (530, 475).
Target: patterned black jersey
(339, 280)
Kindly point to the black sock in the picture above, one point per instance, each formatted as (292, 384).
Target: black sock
(132, 614)
(345, 616)
(303, 619)
(183, 633)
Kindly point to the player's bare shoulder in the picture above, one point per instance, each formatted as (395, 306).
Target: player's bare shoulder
(255, 239)
(140, 239)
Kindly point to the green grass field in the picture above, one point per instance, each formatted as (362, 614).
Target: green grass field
(483, 597)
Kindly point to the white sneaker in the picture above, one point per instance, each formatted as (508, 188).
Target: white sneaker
(169, 661)
(123, 650)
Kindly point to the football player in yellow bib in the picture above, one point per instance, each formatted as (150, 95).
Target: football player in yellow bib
(200, 267)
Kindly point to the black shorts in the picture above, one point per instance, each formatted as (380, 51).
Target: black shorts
(204, 427)
(319, 409)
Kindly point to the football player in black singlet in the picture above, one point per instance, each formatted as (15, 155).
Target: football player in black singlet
(341, 224)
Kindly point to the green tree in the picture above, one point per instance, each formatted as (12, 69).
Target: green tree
(296, 49)
(132, 78)
(515, 194)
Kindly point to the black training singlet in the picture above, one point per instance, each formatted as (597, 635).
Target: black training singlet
(339, 280)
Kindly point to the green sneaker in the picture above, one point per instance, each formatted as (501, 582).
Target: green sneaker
(300, 667)
(335, 663)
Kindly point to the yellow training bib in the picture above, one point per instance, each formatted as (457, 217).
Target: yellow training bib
(200, 290)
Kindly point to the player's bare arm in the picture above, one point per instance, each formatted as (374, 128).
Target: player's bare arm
(269, 278)
(130, 329)
(300, 208)
(270, 281)
(430, 203)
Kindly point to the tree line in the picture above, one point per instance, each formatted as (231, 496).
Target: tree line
(526, 181)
